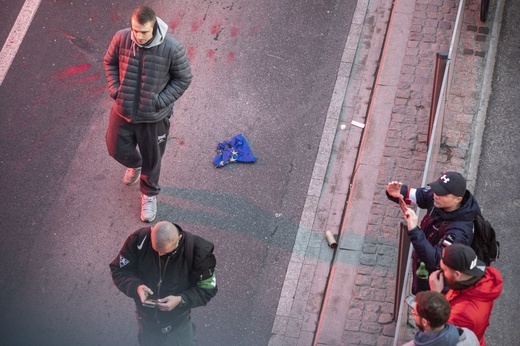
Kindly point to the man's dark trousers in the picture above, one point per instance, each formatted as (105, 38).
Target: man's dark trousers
(179, 334)
(122, 140)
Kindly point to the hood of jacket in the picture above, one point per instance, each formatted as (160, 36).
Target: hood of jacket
(448, 336)
(486, 289)
(158, 37)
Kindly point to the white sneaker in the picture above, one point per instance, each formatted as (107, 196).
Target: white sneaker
(132, 176)
(148, 208)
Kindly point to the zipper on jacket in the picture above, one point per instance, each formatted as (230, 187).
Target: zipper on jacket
(138, 87)
(162, 273)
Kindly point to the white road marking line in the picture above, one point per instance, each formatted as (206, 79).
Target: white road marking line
(15, 38)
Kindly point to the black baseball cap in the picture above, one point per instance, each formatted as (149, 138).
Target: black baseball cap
(449, 182)
(463, 259)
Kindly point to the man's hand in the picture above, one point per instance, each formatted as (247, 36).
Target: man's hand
(144, 291)
(411, 219)
(436, 281)
(394, 189)
(168, 303)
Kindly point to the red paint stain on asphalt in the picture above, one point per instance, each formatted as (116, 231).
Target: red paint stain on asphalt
(215, 28)
(89, 79)
(231, 56)
(191, 52)
(72, 71)
(67, 36)
(173, 24)
(115, 18)
(234, 31)
(195, 26)
(211, 54)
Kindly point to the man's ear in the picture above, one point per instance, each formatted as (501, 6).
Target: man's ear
(457, 275)
(425, 323)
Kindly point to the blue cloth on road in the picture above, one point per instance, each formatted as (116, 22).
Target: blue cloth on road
(236, 150)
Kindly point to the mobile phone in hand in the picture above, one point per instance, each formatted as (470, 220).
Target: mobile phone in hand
(402, 205)
(150, 303)
(410, 300)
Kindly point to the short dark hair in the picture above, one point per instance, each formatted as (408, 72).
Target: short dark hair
(433, 307)
(144, 14)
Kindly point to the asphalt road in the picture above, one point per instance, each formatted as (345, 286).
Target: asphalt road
(498, 186)
(265, 69)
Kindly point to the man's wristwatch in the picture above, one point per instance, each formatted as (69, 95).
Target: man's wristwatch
(183, 302)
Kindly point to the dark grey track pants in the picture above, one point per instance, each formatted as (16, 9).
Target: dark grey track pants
(123, 139)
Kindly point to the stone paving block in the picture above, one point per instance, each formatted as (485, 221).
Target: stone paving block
(311, 256)
(294, 326)
(336, 210)
(318, 284)
(297, 310)
(290, 341)
(310, 322)
(305, 338)
(280, 324)
(276, 340)
(284, 307)
(304, 284)
(369, 339)
(289, 288)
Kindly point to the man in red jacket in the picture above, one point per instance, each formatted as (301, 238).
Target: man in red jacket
(473, 288)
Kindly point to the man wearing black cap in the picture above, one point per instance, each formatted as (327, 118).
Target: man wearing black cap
(473, 288)
(451, 210)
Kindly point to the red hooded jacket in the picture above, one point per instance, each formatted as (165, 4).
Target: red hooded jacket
(471, 307)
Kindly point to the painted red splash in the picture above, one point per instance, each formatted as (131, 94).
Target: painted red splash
(115, 18)
(173, 24)
(72, 71)
(191, 52)
(215, 28)
(89, 79)
(234, 31)
(231, 57)
(195, 26)
(211, 54)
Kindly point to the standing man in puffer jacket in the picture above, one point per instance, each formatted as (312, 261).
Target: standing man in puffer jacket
(147, 71)
(451, 209)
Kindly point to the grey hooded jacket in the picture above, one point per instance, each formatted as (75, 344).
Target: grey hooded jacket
(449, 336)
(145, 81)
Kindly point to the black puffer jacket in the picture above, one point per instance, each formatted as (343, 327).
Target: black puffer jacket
(145, 81)
(438, 229)
(138, 263)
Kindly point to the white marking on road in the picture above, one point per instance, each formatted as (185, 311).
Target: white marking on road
(15, 38)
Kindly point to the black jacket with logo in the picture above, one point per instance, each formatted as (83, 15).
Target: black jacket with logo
(437, 230)
(138, 263)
